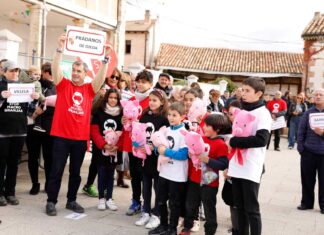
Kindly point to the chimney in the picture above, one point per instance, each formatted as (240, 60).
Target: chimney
(147, 16)
(317, 14)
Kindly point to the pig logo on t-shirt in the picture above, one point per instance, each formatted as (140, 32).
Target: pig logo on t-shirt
(110, 124)
(171, 141)
(77, 99)
(149, 131)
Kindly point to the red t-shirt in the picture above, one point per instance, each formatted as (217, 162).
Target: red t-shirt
(72, 111)
(127, 142)
(276, 106)
(218, 148)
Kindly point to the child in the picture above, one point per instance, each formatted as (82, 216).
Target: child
(155, 116)
(32, 76)
(174, 174)
(107, 116)
(144, 82)
(246, 178)
(198, 189)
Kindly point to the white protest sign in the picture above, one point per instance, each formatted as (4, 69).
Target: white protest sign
(279, 123)
(86, 42)
(316, 120)
(20, 93)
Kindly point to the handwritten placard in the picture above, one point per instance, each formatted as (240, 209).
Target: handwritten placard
(20, 93)
(87, 42)
(278, 123)
(316, 120)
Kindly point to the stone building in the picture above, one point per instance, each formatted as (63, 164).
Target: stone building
(141, 41)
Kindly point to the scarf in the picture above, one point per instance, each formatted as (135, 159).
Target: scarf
(113, 111)
(251, 106)
(141, 96)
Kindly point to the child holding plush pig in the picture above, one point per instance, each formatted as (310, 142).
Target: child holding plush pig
(203, 183)
(155, 117)
(246, 177)
(107, 118)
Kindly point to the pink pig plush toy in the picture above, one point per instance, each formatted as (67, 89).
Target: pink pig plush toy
(139, 140)
(197, 110)
(196, 146)
(242, 127)
(131, 110)
(158, 138)
(111, 138)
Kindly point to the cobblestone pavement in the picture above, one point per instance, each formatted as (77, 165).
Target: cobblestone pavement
(279, 196)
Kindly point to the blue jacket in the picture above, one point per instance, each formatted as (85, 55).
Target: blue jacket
(307, 139)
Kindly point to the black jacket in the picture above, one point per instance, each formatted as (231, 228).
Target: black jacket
(155, 123)
(13, 120)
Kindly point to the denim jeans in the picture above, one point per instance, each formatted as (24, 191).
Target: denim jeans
(293, 129)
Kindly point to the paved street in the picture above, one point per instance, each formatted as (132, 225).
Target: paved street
(279, 196)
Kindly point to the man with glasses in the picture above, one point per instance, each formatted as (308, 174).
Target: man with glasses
(71, 126)
(13, 130)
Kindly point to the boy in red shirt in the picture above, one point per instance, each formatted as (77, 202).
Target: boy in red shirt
(216, 160)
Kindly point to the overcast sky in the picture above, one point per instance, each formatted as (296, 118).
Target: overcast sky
(241, 24)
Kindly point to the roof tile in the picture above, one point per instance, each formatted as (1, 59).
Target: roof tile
(228, 60)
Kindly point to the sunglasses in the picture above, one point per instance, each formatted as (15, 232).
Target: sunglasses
(114, 77)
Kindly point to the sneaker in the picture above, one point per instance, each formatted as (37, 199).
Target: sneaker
(12, 200)
(74, 206)
(196, 226)
(159, 230)
(143, 220)
(38, 128)
(134, 208)
(185, 231)
(3, 201)
(111, 205)
(153, 222)
(290, 147)
(90, 190)
(35, 189)
(50, 209)
(102, 204)
(180, 222)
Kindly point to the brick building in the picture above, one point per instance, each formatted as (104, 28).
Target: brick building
(313, 66)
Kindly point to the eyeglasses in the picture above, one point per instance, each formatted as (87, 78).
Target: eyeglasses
(114, 77)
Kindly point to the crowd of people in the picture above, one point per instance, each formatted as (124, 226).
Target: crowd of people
(65, 114)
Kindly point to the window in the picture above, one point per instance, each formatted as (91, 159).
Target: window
(128, 47)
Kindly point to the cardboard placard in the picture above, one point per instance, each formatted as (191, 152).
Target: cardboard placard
(20, 93)
(316, 120)
(279, 123)
(81, 41)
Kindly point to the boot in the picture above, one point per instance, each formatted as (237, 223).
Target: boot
(35, 189)
(120, 179)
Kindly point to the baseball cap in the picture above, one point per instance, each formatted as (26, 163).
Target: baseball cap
(9, 64)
